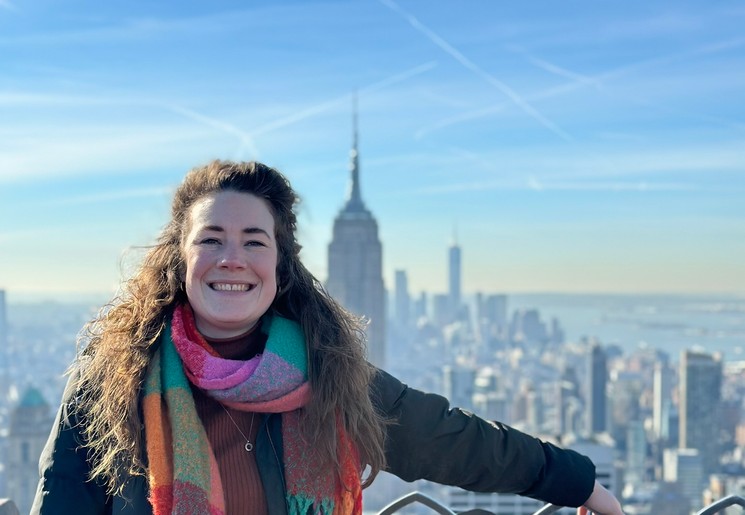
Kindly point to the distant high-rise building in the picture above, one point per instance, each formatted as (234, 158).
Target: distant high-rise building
(623, 396)
(491, 319)
(557, 333)
(458, 385)
(355, 264)
(636, 453)
(454, 278)
(420, 306)
(461, 500)
(402, 301)
(527, 328)
(30, 422)
(8, 507)
(597, 379)
(685, 467)
(3, 321)
(441, 314)
(700, 396)
(4, 356)
(492, 406)
(662, 401)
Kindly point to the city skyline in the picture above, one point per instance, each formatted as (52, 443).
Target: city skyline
(596, 149)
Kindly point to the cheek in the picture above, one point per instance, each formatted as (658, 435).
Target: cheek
(194, 265)
(268, 266)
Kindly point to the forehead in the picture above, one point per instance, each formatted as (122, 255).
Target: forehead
(231, 209)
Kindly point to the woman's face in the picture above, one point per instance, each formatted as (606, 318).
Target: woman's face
(230, 253)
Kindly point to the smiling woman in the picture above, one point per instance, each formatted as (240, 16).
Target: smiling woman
(231, 262)
(226, 380)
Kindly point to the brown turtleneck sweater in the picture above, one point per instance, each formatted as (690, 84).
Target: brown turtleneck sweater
(239, 473)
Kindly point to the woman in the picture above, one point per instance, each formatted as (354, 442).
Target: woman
(225, 380)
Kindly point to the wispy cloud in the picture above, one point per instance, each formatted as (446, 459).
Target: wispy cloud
(513, 96)
(17, 99)
(134, 28)
(85, 150)
(638, 186)
(534, 184)
(109, 196)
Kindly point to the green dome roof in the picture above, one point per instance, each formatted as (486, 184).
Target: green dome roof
(32, 398)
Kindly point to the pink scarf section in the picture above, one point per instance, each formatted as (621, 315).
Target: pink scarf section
(272, 382)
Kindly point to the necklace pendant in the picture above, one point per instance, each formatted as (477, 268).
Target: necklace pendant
(249, 446)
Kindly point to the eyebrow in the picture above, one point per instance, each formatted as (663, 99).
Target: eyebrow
(247, 230)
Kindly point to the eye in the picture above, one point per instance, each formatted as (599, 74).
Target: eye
(255, 243)
(209, 241)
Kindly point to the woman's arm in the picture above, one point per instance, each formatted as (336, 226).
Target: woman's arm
(428, 440)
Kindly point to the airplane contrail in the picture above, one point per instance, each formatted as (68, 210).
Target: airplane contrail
(514, 97)
(577, 81)
(245, 138)
(323, 106)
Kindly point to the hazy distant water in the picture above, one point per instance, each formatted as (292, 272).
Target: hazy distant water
(668, 322)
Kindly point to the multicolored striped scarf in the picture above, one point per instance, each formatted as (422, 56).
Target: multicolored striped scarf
(183, 473)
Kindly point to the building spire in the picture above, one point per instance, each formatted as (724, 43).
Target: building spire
(354, 198)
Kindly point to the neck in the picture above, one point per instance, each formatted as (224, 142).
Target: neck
(242, 347)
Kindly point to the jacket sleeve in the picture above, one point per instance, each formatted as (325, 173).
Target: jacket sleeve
(426, 439)
(64, 485)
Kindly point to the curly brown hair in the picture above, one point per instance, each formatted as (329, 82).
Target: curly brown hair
(121, 340)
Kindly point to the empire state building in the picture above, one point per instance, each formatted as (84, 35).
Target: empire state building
(355, 273)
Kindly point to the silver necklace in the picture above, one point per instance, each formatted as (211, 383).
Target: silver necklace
(249, 446)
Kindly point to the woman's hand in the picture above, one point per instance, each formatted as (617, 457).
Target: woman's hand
(601, 502)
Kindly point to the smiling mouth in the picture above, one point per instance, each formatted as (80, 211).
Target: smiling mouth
(230, 287)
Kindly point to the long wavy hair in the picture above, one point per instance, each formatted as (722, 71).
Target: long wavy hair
(121, 340)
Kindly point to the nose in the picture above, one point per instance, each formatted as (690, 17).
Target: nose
(232, 258)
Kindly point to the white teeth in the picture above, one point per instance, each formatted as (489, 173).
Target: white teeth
(230, 287)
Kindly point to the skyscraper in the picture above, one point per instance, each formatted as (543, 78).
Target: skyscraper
(597, 378)
(3, 321)
(686, 468)
(454, 276)
(458, 385)
(662, 401)
(4, 359)
(636, 453)
(700, 396)
(355, 264)
(402, 300)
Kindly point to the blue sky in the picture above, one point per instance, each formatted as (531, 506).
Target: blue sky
(577, 146)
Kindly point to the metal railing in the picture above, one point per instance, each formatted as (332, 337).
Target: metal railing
(722, 504)
(413, 497)
(438, 507)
